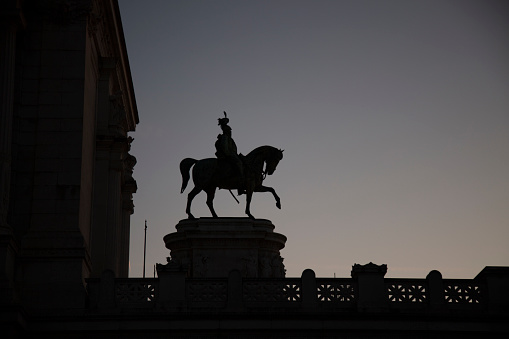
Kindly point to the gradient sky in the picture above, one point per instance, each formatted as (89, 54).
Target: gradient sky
(394, 117)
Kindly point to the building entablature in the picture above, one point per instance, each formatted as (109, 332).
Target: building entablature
(105, 29)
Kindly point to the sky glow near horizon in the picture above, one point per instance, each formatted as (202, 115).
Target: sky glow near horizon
(394, 117)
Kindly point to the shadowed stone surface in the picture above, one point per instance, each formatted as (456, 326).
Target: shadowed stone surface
(212, 247)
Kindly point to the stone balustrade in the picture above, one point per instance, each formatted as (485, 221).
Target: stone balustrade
(367, 291)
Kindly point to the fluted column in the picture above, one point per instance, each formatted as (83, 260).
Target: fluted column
(114, 214)
(127, 210)
(129, 187)
(103, 230)
(8, 28)
(10, 18)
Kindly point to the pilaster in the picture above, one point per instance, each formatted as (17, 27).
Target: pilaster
(129, 187)
(172, 286)
(370, 281)
(108, 232)
(10, 19)
(113, 172)
(114, 213)
(9, 22)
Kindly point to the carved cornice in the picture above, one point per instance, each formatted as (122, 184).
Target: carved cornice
(105, 30)
(99, 29)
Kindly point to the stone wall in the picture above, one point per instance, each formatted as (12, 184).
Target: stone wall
(67, 108)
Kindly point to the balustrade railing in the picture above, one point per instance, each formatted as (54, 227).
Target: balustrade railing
(306, 293)
(408, 291)
(333, 290)
(272, 292)
(136, 292)
(207, 293)
(463, 292)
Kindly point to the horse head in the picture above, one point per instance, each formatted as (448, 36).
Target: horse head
(273, 160)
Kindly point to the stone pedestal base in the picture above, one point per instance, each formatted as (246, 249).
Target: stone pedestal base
(212, 247)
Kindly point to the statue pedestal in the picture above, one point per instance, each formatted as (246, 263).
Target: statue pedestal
(212, 247)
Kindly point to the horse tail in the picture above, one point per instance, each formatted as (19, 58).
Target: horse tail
(185, 167)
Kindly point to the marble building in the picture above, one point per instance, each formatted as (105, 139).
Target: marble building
(66, 184)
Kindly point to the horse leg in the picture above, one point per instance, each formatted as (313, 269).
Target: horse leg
(190, 198)
(249, 195)
(211, 192)
(271, 190)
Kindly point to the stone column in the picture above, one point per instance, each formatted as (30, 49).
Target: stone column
(129, 187)
(107, 214)
(10, 18)
(98, 239)
(125, 231)
(107, 236)
(114, 217)
(8, 27)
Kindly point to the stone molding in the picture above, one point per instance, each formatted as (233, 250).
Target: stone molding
(110, 43)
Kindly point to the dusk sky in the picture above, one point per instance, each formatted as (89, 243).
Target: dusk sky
(394, 118)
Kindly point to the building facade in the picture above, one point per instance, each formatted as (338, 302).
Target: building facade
(66, 185)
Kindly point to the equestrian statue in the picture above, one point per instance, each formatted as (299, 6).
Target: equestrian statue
(230, 170)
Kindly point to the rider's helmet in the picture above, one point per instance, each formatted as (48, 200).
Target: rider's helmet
(223, 121)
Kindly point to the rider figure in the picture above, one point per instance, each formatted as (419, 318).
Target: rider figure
(227, 149)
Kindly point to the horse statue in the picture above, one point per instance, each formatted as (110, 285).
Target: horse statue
(211, 173)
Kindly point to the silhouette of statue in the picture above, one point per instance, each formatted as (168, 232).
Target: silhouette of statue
(230, 171)
(226, 147)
